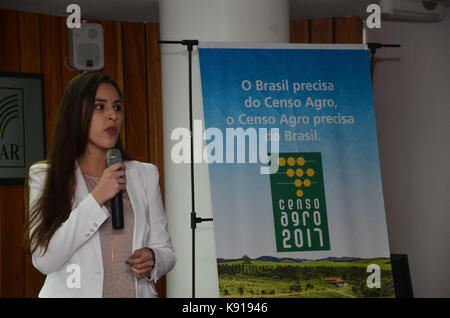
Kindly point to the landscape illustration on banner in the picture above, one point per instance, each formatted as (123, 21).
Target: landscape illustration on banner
(317, 226)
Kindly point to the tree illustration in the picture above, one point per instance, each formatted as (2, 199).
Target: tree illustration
(246, 259)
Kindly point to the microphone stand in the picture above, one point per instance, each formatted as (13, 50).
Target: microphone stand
(194, 219)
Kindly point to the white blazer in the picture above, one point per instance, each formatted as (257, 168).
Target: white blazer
(77, 240)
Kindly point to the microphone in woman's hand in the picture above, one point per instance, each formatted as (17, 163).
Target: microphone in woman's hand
(113, 156)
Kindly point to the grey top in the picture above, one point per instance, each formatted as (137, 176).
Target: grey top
(117, 247)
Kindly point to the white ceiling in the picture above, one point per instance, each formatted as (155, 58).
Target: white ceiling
(147, 10)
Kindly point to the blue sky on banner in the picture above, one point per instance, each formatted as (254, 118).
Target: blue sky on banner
(241, 196)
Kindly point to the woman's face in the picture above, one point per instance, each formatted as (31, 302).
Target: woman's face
(107, 118)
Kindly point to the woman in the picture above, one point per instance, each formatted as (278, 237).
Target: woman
(70, 232)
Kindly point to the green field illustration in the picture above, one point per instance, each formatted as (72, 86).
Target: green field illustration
(270, 277)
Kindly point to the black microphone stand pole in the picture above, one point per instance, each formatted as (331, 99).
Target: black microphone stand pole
(194, 219)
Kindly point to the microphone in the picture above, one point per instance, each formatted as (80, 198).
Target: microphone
(113, 156)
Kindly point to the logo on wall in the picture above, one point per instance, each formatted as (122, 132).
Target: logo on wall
(10, 111)
(11, 128)
(22, 126)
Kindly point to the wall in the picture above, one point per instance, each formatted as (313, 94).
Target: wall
(37, 43)
(412, 104)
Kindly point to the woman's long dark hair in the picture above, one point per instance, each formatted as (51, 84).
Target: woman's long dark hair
(69, 141)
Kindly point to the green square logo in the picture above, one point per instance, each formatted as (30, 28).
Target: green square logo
(298, 200)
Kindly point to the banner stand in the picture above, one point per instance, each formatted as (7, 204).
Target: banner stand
(194, 219)
(373, 46)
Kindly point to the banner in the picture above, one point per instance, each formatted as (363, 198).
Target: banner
(314, 225)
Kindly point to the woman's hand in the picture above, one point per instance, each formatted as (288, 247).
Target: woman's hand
(112, 181)
(142, 262)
